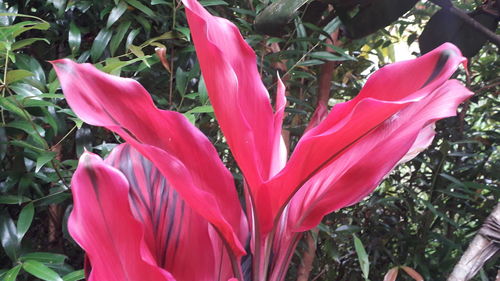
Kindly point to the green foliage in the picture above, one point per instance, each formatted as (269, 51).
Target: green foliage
(423, 215)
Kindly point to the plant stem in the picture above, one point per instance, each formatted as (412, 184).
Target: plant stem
(4, 83)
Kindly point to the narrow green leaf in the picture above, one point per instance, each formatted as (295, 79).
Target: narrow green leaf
(25, 89)
(45, 257)
(17, 74)
(131, 36)
(323, 55)
(207, 3)
(202, 91)
(74, 276)
(114, 64)
(310, 62)
(26, 42)
(158, 2)
(41, 271)
(118, 37)
(202, 109)
(27, 127)
(141, 7)
(11, 275)
(100, 42)
(362, 256)
(116, 13)
(24, 221)
(8, 236)
(20, 15)
(13, 199)
(29, 25)
(3, 143)
(31, 64)
(136, 51)
(330, 27)
(43, 159)
(74, 37)
(8, 105)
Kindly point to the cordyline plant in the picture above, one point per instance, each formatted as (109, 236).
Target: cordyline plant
(162, 206)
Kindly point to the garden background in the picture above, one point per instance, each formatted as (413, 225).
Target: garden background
(423, 215)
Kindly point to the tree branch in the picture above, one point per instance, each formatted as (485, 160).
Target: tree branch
(495, 39)
(484, 245)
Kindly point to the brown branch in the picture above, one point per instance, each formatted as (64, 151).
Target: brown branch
(495, 39)
(306, 264)
(484, 245)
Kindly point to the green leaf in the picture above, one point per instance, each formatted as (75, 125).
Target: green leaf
(181, 78)
(13, 199)
(24, 26)
(27, 127)
(207, 3)
(323, 55)
(131, 36)
(41, 271)
(362, 256)
(44, 257)
(11, 275)
(8, 236)
(120, 33)
(43, 159)
(31, 64)
(3, 143)
(74, 37)
(8, 105)
(100, 43)
(330, 27)
(116, 13)
(17, 74)
(24, 221)
(115, 64)
(136, 51)
(26, 42)
(25, 90)
(201, 109)
(138, 5)
(202, 91)
(158, 2)
(74, 276)
(310, 62)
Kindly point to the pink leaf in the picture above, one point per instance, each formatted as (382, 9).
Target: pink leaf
(180, 151)
(326, 154)
(103, 224)
(240, 100)
(174, 233)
